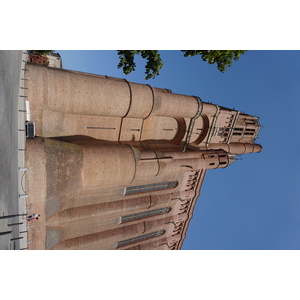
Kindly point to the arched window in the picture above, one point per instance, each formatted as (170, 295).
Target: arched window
(140, 238)
(145, 214)
(149, 187)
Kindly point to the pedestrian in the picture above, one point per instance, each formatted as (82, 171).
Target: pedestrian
(33, 217)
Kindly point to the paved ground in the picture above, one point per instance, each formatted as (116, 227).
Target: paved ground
(12, 143)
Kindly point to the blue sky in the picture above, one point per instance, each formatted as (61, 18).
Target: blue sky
(254, 203)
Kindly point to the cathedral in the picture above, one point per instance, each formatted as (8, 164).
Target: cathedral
(119, 165)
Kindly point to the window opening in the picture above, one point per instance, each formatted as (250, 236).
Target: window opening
(150, 187)
(145, 214)
(90, 127)
(223, 131)
(140, 238)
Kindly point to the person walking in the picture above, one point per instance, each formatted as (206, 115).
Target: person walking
(32, 217)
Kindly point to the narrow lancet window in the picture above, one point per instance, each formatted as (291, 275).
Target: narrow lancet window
(145, 214)
(140, 238)
(150, 187)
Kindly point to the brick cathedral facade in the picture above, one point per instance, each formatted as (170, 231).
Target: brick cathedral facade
(120, 165)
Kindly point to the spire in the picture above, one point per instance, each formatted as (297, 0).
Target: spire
(231, 159)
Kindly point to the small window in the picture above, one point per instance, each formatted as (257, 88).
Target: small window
(223, 131)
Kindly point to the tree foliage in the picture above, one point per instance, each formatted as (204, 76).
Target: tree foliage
(41, 52)
(223, 59)
(154, 62)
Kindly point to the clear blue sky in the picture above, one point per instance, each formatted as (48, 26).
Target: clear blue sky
(254, 203)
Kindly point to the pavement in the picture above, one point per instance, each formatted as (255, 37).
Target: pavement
(13, 228)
